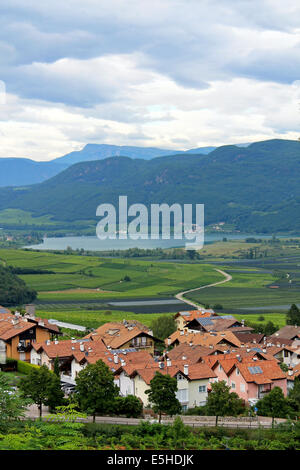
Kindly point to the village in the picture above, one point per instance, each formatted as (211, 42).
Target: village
(206, 348)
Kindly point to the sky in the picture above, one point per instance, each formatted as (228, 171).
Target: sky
(174, 74)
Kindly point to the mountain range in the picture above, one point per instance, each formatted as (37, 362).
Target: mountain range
(23, 171)
(255, 188)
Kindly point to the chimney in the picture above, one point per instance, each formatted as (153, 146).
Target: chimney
(30, 310)
(41, 323)
(181, 332)
(55, 341)
(123, 363)
(169, 362)
(169, 341)
(264, 350)
(116, 359)
(73, 340)
(81, 347)
(48, 342)
(290, 372)
(186, 369)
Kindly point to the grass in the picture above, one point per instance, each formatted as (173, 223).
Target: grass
(153, 279)
(92, 319)
(247, 290)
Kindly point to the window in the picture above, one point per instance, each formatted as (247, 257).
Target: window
(220, 367)
(237, 372)
(232, 384)
(182, 395)
(242, 387)
(202, 388)
(179, 377)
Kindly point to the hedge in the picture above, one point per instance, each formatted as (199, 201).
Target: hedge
(25, 367)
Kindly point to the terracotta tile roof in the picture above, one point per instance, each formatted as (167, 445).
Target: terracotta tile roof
(192, 354)
(270, 370)
(195, 371)
(203, 339)
(248, 337)
(8, 330)
(192, 314)
(288, 331)
(116, 334)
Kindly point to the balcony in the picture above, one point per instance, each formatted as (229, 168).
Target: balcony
(140, 345)
(262, 391)
(23, 347)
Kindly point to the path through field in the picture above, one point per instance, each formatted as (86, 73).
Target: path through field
(181, 297)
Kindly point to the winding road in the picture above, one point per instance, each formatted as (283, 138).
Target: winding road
(180, 295)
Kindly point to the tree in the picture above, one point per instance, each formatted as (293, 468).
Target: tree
(274, 404)
(222, 402)
(163, 327)
(12, 407)
(55, 393)
(56, 369)
(293, 315)
(42, 387)
(294, 396)
(95, 389)
(162, 395)
(130, 406)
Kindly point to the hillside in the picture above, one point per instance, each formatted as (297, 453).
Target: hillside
(256, 187)
(23, 171)
(13, 290)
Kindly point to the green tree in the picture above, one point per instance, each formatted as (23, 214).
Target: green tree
(12, 407)
(294, 396)
(42, 387)
(222, 402)
(162, 395)
(130, 406)
(293, 315)
(163, 327)
(56, 369)
(55, 393)
(95, 389)
(274, 404)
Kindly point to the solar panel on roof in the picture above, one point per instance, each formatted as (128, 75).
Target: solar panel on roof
(255, 370)
(204, 321)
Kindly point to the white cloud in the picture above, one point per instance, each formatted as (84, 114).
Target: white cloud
(171, 73)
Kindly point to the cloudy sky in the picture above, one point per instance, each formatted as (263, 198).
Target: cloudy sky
(174, 74)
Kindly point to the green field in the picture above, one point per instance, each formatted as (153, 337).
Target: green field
(94, 319)
(78, 277)
(251, 287)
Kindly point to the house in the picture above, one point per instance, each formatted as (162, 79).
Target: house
(19, 333)
(115, 359)
(124, 335)
(218, 323)
(192, 381)
(292, 374)
(291, 332)
(210, 340)
(250, 377)
(182, 318)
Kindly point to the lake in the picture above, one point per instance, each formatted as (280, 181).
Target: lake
(94, 244)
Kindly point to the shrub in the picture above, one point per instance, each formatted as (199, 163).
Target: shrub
(25, 367)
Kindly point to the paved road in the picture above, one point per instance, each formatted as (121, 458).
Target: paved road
(181, 297)
(193, 421)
